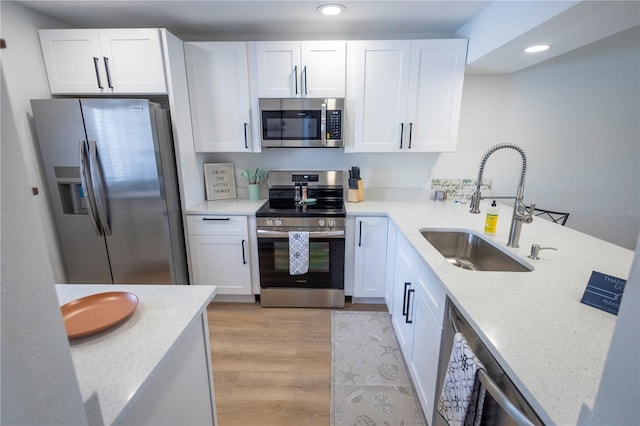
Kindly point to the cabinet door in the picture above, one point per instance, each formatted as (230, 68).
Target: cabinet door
(389, 280)
(222, 261)
(378, 79)
(425, 354)
(218, 81)
(73, 61)
(403, 308)
(370, 256)
(278, 69)
(323, 71)
(106, 61)
(436, 77)
(133, 60)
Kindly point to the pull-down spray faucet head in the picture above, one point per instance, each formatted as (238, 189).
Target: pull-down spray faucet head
(477, 196)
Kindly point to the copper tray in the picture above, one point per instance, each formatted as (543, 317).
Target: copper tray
(97, 312)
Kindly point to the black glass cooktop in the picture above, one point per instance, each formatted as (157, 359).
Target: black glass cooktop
(281, 203)
(280, 208)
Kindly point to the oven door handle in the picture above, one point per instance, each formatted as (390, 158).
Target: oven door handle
(263, 233)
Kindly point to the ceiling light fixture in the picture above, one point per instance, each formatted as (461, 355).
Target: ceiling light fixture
(331, 9)
(537, 48)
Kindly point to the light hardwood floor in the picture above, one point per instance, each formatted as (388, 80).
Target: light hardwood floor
(272, 366)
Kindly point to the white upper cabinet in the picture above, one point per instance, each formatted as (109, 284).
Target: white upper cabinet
(104, 61)
(218, 79)
(404, 95)
(293, 69)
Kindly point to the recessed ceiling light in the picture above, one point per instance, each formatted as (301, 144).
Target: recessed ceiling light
(331, 9)
(537, 48)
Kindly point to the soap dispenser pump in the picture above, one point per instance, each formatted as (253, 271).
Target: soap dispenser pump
(491, 221)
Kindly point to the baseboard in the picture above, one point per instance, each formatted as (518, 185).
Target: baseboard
(368, 300)
(249, 298)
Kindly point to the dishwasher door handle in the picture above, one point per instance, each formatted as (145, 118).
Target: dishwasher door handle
(493, 389)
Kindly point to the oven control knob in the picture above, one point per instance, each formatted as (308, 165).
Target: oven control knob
(269, 222)
(332, 223)
(278, 222)
(321, 222)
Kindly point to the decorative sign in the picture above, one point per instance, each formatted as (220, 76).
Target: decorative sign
(604, 292)
(220, 181)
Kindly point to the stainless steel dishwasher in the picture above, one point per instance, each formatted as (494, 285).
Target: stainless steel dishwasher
(503, 405)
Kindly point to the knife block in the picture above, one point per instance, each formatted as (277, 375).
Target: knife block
(355, 195)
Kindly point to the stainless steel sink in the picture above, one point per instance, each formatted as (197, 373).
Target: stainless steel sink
(470, 251)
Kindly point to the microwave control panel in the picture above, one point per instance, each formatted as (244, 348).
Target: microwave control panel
(334, 124)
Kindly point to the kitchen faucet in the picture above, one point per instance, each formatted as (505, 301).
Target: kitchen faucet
(520, 214)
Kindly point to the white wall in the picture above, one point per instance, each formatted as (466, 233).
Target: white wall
(23, 69)
(38, 381)
(576, 116)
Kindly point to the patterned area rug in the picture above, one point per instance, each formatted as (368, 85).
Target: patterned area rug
(369, 381)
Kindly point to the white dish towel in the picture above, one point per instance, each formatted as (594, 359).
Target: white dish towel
(298, 252)
(462, 395)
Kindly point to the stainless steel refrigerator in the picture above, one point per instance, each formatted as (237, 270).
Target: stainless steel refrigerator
(112, 183)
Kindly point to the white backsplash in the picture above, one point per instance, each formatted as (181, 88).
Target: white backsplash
(396, 171)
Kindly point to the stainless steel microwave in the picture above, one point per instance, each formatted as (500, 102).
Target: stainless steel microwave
(301, 123)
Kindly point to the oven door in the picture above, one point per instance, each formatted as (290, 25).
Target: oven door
(326, 261)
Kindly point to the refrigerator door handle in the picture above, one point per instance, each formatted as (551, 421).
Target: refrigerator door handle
(98, 188)
(87, 188)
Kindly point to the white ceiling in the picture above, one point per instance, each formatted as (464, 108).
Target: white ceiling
(497, 30)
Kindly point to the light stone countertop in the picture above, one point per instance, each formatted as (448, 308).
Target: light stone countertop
(552, 346)
(113, 367)
(237, 206)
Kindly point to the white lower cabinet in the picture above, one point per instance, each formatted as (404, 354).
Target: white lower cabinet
(370, 256)
(182, 391)
(219, 253)
(401, 314)
(417, 315)
(425, 352)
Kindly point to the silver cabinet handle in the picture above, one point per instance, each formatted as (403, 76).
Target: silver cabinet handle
(401, 134)
(410, 132)
(106, 67)
(87, 188)
(246, 144)
(295, 75)
(95, 67)
(98, 187)
(216, 218)
(360, 234)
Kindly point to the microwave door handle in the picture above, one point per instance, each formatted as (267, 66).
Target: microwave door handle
(323, 124)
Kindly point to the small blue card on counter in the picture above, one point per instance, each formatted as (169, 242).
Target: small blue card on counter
(604, 292)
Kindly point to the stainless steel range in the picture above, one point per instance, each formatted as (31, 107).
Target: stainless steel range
(307, 205)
